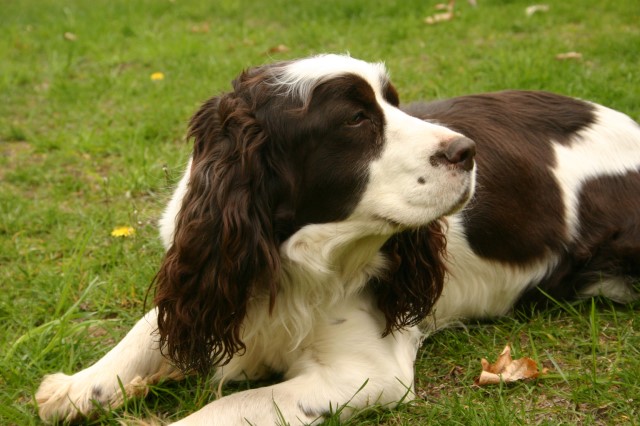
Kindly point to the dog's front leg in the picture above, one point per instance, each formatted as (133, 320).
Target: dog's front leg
(131, 365)
(347, 367)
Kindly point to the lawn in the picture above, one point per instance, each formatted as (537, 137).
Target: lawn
(89, 142)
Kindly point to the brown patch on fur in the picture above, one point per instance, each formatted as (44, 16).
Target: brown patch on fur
(415, 278)
(608, 242)
(514, 132)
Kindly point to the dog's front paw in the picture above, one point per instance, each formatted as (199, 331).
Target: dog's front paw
(66, 398)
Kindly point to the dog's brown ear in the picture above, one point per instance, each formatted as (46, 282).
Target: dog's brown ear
(224, 249)
(415, 277)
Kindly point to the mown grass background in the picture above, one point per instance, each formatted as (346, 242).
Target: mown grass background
(89, 142)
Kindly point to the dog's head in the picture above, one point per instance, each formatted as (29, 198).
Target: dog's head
(312, 141)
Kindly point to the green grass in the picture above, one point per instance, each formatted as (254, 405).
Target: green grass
(88, 142)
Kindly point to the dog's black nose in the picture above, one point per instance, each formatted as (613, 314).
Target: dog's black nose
(458, 152)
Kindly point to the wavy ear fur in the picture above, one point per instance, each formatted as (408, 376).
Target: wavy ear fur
(224, 249)
(407, 292)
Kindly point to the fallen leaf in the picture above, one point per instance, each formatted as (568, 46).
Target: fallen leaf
(441, 17)
(281, 48)
(70, 36)
(535, 8)
(568, 55)
(202, 28)
(506, 369)
(438, 17)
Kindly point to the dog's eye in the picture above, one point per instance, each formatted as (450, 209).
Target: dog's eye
(356, 119)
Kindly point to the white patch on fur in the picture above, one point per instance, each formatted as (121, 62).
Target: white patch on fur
(394, 191)
(322, 265)
(299, 78)
(167, 221)
(480, 288)
(345, 361)
(617, 289)
(608, 147)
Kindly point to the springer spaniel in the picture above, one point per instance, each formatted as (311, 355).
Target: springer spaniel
(320, 230)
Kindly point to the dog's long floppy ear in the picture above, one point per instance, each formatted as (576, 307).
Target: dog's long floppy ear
(224, 249)
(413, 283)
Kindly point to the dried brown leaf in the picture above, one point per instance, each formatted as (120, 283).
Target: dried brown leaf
(438, 17)
(568, 55)
(536, 8)
(201, 28)
(506, 369)
(441, 17)
(281, 48)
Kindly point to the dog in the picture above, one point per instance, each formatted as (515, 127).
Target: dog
(320, 230)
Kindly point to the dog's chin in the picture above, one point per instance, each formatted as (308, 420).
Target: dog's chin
(461, 203)
(396, 225)
(402, 224)
(407, 219)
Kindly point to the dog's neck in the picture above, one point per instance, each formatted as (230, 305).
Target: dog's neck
(322, 266)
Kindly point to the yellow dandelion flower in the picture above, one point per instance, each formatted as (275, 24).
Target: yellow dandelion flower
(157, 76)
(122, 231)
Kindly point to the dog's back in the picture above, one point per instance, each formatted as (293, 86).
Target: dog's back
(557, 204)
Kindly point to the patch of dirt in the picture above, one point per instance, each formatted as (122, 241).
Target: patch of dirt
(10, 153)
(14, 148)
